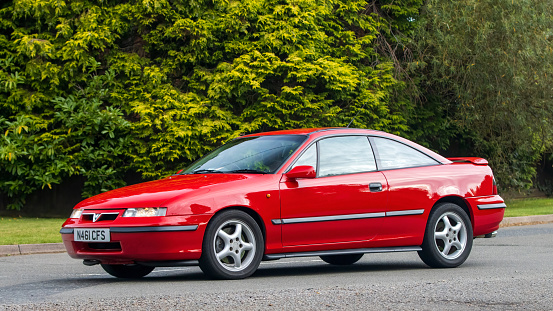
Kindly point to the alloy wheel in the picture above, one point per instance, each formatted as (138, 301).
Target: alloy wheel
(450, 235)
(234, 245)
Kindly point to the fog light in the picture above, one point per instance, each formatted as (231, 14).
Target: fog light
(145, 212)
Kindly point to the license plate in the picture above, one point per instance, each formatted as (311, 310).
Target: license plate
(91, 235)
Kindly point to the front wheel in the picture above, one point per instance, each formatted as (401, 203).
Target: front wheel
(448, 237)
(127, 271)
(232, 247)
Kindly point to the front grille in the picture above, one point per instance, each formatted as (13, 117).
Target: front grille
(99, 216)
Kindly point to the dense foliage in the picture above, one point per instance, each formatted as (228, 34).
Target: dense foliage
(102, 88)
(486, 69)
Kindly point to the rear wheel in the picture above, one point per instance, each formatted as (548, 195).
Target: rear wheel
(232, 247)
(342, 260)
(448, 237)
(127, 271)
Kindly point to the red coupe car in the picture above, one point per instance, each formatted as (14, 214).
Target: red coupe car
(337, 193)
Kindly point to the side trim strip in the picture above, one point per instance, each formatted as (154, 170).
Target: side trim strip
(332, 218)
(492, 206)
(153, 229)
(344, 252)
(346, 217)
(141, 229)
(404, 213)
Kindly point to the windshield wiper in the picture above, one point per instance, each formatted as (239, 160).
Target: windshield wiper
(247, 170)
(206, 171)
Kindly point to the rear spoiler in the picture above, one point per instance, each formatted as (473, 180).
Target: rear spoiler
(473, 160)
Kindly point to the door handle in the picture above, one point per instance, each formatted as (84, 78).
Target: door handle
(375, 187)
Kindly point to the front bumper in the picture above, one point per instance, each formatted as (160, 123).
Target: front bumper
(140, 242)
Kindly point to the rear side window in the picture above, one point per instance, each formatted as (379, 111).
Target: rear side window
(392, 154)
(345, 155)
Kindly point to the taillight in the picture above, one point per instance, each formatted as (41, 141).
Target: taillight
(494, 187)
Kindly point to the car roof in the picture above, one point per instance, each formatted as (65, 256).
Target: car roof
(322, 131)
(308, 131)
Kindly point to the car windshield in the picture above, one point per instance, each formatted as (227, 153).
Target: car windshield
(260, 154)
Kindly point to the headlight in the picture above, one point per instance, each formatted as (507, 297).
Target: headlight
(145, 212)
(76, 213)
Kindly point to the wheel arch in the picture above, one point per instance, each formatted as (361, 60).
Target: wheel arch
(256, 217)
(458, 201)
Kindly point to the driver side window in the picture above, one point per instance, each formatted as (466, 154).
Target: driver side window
(345, 155)
(309, 157)
(339, 156)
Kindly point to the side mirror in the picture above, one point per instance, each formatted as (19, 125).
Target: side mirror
(302, 171)
(180, 171)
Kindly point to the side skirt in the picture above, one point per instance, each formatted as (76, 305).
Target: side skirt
(291, 255)
(176, 263)
(344, 252)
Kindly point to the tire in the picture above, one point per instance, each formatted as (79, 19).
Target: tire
(448, 237)
(342, 260)
(127, 271)
(233, 246)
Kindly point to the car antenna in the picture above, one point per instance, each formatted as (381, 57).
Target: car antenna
(350, 122)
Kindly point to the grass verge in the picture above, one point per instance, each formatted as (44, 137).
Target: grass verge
(23, 230)
(529, 207)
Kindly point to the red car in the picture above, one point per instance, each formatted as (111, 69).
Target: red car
(336, 193)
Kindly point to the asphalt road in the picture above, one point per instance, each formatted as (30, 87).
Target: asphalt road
(510, 272)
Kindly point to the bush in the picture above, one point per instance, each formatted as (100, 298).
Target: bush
(484, 70)
(103, 88)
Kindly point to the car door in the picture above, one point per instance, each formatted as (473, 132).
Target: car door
(343, 203)
(413, 181)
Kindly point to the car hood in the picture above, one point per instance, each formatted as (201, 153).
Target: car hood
(155, 193)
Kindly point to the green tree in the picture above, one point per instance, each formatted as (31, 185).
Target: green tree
(484, 75)
(101, 88)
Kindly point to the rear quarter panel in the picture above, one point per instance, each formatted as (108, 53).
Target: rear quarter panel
(423, 187)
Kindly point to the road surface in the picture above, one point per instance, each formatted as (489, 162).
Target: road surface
(512, 271)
